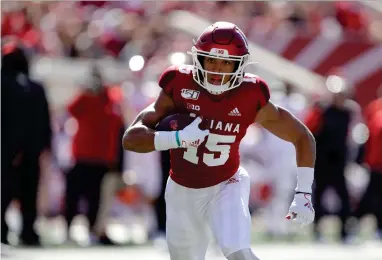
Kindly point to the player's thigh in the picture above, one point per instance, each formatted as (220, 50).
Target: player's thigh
(186, 234)
(229, 216)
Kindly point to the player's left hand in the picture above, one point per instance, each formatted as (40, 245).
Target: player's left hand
(301, 211)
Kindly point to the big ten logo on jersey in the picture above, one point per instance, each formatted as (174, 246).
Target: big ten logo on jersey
(190, 94)
(193, 107)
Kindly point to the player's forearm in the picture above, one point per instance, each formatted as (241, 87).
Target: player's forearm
(305, 148)
(142, 139)
(306, 156)
(139, 139)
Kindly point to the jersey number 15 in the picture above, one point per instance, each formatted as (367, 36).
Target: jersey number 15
(212, 145)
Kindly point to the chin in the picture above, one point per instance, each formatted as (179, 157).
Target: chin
(215, 84)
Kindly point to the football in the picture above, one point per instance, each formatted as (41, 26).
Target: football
(177, 122)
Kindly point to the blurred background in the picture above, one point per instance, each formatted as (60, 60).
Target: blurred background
(91, 66)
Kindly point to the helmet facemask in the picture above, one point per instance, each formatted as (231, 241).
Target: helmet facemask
(200, 74)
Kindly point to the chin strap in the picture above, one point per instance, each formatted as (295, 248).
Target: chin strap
(219, 89)
(300, 192)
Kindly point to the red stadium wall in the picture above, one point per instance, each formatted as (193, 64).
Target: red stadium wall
(360, 62)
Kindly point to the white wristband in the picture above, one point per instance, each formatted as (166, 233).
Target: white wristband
(305, 177)
(165, 140)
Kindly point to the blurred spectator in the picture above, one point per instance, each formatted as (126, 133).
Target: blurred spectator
(160, 203)
(147, 180)
(19, 23)
(119, 28)
(330, 122)
(26, 135)
(96, 148)
(351, 17)
(371, 200)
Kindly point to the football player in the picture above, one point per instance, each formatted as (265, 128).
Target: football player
(207, 188)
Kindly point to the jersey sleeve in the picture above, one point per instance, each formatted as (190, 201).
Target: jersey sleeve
(264, 92)
(167, 80)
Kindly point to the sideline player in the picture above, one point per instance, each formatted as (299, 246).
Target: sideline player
(207, 188)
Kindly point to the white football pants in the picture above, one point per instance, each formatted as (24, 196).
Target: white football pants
(193, 214)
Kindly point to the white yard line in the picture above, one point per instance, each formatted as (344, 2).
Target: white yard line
(265, 252)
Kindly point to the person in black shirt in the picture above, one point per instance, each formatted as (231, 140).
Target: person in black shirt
(330, 124)
(26, 134)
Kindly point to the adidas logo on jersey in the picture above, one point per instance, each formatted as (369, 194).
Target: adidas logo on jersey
(234, 112)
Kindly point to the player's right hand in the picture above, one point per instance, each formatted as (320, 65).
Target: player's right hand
(192, 135)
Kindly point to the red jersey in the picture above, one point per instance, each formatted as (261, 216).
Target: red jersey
(99, 126)
(373, 147)
(217, 158)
